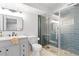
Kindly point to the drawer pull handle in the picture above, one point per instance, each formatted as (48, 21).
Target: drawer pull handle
(6, 49)
(23, 50)
(23, 45)
(0, 51)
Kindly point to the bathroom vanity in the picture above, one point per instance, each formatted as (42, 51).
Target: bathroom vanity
(9, 49)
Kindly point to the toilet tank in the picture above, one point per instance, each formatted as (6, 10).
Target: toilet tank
(33, 40)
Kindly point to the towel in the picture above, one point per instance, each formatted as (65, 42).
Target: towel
(14, 40)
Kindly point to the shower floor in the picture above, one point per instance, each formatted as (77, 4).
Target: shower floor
(58, 52)
(44, 52)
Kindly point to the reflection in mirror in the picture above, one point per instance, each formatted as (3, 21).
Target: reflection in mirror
(13, 23)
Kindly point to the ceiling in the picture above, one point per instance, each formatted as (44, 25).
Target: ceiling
(49, 8)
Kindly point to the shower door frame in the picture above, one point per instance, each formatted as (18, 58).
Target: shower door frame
(60, 23)
(58, 29)
(57, 34)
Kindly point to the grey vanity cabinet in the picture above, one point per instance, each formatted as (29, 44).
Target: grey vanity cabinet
(9, 49)
(2, 52)
(13, 50)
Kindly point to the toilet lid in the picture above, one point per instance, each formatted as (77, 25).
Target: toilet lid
(36, 45)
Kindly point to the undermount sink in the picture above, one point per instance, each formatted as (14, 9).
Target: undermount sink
(8, 38)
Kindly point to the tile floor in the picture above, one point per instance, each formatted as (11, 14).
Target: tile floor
(58, 52)
(53, 51)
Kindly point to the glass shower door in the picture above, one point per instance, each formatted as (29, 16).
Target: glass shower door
(70, 29)
(43, 30)
(54, 34)
(53, 27)
(48, 31)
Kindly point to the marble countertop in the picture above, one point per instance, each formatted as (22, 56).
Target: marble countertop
(8, 38)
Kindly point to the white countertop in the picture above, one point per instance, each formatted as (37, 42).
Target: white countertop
(8, 38)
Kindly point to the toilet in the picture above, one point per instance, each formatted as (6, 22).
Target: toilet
(36, 48)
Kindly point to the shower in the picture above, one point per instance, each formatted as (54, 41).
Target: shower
(61, 30)
(48, 30)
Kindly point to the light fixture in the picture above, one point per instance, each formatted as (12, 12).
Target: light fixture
(12, 10)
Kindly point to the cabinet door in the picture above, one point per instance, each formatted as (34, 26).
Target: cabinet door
(2, 52)
(13, 50)
(1, 22)
(24, 49)
(24, 46)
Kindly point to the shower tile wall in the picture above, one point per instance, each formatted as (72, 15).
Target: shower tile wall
(70, 30)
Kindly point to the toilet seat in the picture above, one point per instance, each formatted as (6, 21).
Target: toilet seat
(36, 46)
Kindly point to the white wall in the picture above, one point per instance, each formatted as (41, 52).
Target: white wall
(30, 22)
(30, 27)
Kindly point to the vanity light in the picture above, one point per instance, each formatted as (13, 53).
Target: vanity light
(12, 10)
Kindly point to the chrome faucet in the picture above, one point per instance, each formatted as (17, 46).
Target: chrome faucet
(13, 34)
